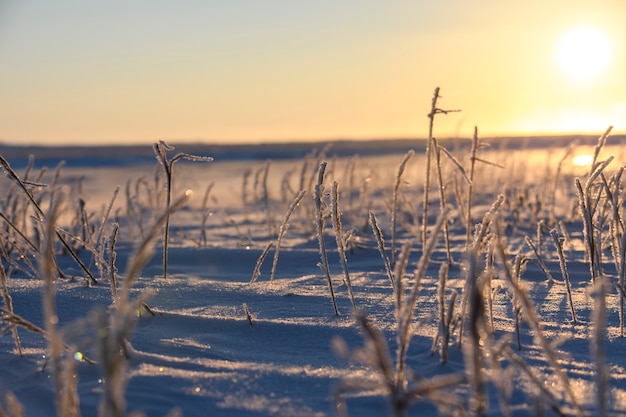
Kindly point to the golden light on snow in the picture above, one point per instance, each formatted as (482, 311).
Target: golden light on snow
(584, 53)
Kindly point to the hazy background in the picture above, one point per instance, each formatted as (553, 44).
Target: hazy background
(281, 70)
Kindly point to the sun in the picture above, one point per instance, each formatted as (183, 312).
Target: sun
(584, 53)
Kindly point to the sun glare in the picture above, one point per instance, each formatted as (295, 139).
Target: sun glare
(584, 53)
(582, 160)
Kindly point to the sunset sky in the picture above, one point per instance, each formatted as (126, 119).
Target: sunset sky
(281, 70)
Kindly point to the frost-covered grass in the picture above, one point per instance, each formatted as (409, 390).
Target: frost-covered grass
(318, 286)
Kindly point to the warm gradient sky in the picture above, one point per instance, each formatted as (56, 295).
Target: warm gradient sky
(77, 71)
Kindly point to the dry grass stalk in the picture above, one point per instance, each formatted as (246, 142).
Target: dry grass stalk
(480, 242)
(283, 230)
(320, 220)
(160, 149)
(247, 312)
(378, 234)
(14, 407)
(394, 206)
(41, 216)
(568, 286)
(539, 258)
(341, 246)
(434, 110)
(205, 214)
(400, 395)
(257, 268)
(112, 259)
(407, 309)
(398, 273)
(599, 146)
(596, 344)
(533, 322)
(555, 184)
(445, 315)
(62, 370)
(8, 304)
(478, 403)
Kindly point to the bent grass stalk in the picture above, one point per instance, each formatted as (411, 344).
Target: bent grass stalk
(283, 230)
(542, 264)
(257, 268)
(160, 149)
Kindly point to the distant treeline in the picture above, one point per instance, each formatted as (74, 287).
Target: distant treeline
(125, 155)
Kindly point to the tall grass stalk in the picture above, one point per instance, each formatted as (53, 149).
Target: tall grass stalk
(341, 246)
(598, 148)
(587, 205)
(470, 189)
(557, 177)
(8, 305)
(244, 192)
(378, 234)
(320, 220)
(480, 242)
(430, 149)
(394, 206)
(445, 314)
(568, 286)
(442, 196)
(599, 318)
(65, 383)
(539, 258)
(103, 221)
(622, 280)
(399, 272)
(407, 309)
(160, 149)
(478, 403)
(283, 230)
(265, 197)
(112, 261)
(429, 152)
(119, 324)
(205, 214)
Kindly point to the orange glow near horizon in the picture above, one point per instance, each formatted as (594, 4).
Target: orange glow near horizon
(309, 70)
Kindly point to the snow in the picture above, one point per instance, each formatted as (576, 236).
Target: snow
(200, 355)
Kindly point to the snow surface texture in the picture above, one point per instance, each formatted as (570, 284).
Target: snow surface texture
(218, 345)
